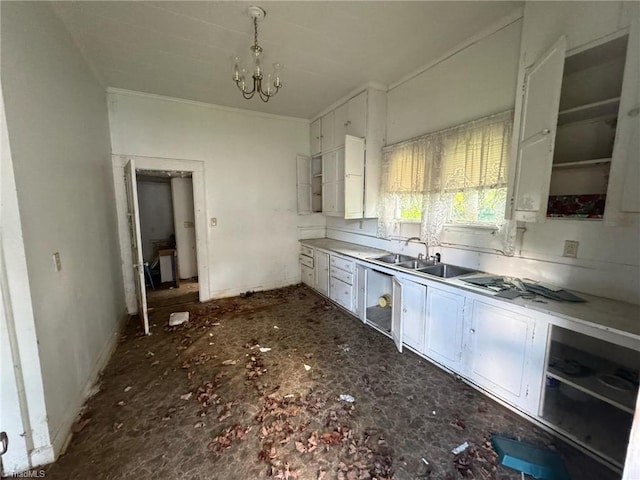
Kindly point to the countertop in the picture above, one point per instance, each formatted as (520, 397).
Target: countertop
(599, 312)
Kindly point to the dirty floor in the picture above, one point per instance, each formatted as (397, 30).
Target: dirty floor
(208, 400)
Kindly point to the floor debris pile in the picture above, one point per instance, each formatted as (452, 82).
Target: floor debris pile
(218, 404)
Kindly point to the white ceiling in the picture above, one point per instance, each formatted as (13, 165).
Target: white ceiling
(182, 49)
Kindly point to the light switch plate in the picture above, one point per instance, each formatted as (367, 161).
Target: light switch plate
(570, 248)
(214, 222)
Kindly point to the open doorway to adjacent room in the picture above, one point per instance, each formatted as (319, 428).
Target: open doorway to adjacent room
(167, 230)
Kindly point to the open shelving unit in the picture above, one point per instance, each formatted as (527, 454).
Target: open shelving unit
(591, 391)
(316, 184)
(585, 134)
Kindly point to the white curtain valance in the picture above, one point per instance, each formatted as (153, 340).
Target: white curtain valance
(455, 175)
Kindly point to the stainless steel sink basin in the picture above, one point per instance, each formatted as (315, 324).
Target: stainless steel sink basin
(416, 264)
(395, 258)
(446, 271)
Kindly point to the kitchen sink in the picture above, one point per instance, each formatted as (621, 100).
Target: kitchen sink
(416, 264)
(445, 270)
(395, 258)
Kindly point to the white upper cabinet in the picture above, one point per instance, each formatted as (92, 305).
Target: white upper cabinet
(341, 119)
(575, 146)
(623, 196)
(364, 117)
(540, 102)
(303, 165)
(353, 177)
(315, 135)
(328, 132)
(356, 123)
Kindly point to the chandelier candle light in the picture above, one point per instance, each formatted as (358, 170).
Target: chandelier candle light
(265, 87)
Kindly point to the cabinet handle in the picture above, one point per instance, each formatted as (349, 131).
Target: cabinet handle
(472, 330)
(634, 112)
(546, 131)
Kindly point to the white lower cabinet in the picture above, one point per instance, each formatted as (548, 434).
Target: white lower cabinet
(341, 282)
(444, 328)
(504, 355)
(413, 314)
(307, 273)
(322, 272)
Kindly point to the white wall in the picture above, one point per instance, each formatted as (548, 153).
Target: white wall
(250, 176)
(475, 82)
(156, 213)
(184, 215)
(59, 134)
(478, 81)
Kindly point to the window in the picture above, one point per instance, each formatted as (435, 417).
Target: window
(457, 175)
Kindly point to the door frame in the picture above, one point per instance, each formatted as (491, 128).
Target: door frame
(196, 168)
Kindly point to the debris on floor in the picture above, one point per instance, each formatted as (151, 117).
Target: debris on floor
(266, 418)
(178, 318)
(460, 448)
(347, 398)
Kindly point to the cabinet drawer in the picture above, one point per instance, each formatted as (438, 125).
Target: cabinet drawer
(307, 275)
(342, 263)
(346, 277)
(341, 293)
(304, 260)
(308, 251)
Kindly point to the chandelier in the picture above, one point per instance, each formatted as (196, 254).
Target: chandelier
(265, 86)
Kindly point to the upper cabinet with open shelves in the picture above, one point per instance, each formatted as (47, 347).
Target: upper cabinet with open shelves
(355, 132)
(576, 126)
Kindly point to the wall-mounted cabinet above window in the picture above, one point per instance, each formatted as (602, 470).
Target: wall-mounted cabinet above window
(575, 155)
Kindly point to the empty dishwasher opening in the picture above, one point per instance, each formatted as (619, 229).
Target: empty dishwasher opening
(379, 300)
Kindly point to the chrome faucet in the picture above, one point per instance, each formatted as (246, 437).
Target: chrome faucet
(426, 248)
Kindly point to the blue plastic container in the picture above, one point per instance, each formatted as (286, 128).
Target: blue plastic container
(538, 462)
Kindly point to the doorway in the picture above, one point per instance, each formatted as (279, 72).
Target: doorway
(167, 230)
(137, 280)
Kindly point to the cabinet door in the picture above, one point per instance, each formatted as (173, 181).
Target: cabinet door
(315, 136)
(330, 183)
(413, 314)
(306, 274)
(498, 348)
(623, 193)
(357, 116)
(303, 164)
(328, 129)
(396, 313)
(445, 323)
(361, 293)
(322, 272)
(354, 177)
(535, 142)
(340, 124)
(340, 185)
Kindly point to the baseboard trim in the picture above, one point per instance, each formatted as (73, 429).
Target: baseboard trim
(62, 436)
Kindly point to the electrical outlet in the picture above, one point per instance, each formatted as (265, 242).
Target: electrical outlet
(57, 264)
(214, 222)
(570, 248)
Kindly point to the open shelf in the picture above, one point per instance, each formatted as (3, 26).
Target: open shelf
(589, 421)
(591, 383)
(582, 163)
(603, 108)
